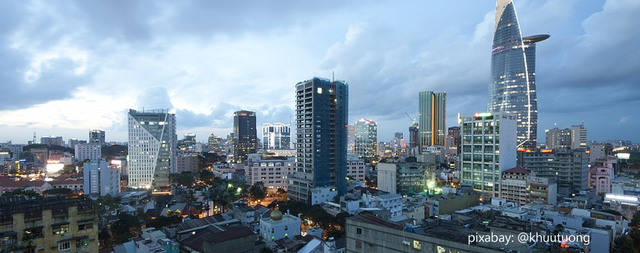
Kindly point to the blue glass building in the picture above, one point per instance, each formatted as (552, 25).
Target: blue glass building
(321, 137)
(513, 86)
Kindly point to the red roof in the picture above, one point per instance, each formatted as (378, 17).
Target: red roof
(518, 170)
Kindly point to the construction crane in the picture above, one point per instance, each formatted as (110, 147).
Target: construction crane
(413, 121)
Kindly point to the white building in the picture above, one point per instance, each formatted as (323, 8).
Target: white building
(279, 226)
(152, 149)
(88, 151)
(100, 179)
(322, 194)
(276, 136)
(488, 148)
(274, 173)
(356, 167)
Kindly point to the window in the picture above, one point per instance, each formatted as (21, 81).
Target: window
(358, 244)
(60, 229)
(64, 245)
(359, 231)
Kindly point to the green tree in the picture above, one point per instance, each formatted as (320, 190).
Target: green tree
(69, 171)
(257, 191)
(622, 244)
(183, 179)
(65, 191)
(125, 227)
(107, 205)
(26, 193)
(635, 221)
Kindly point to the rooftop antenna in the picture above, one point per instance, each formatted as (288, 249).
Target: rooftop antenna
(333, 77)
(34, 137)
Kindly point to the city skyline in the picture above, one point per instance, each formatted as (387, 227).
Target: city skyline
(78, 66)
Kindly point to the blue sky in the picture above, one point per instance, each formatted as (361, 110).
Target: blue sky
(71, 66)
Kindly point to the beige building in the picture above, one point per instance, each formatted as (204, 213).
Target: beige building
(52, 224)
(522, 186)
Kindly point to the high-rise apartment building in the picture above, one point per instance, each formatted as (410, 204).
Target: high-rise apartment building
(488, 149)
(454, 133)
(321, 137)
(513, 86)
(413, 137)
(365, 138)
(245, 136)
(97, 136)
(152, 149)
(432, 123)
(578, 137)
(276, 136)
(568, 138)
(351, 139)
(100, 179)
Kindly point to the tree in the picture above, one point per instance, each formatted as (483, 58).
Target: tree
(107, 205)
(622, 244)
(635, 221)
(27, 193)
(125, 227)
(64, 191)
(257, 191)
(183, 179)
(69, 171)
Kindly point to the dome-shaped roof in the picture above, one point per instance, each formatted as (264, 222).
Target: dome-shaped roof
(276, 215)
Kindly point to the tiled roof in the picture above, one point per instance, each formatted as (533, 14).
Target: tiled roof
(518, 170)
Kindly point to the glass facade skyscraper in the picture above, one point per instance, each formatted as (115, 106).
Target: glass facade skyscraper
(321, 138)
(245, 138)
(152, 149)
(513, 86)
(366, 138)
(432, 123)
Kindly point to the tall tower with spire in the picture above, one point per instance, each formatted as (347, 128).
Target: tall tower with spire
(513, 86)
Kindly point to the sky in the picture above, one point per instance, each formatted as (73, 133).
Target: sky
(71, 66)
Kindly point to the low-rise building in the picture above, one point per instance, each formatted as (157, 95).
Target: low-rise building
(278, 226)
(52, 224)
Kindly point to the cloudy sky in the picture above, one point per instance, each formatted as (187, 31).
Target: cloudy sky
(71, 66)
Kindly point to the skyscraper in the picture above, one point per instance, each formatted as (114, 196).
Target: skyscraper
(513, 86)
(366, 138)
(321, 137)
(245, 135)
(276, 136)
(96, 136)
(152, 149)
(432, 124)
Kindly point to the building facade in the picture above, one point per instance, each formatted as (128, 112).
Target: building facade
(356, 167)
(321, 137)
(488, 149)
(366, 138)
(97, 136)
(245, 138)
(276, 136)
(51, 224)
(570, 167)
(274, 173)
(513, 87)
(432, 123)
(152, 149)
(100, 179)
(88, 151)
(406, 178)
